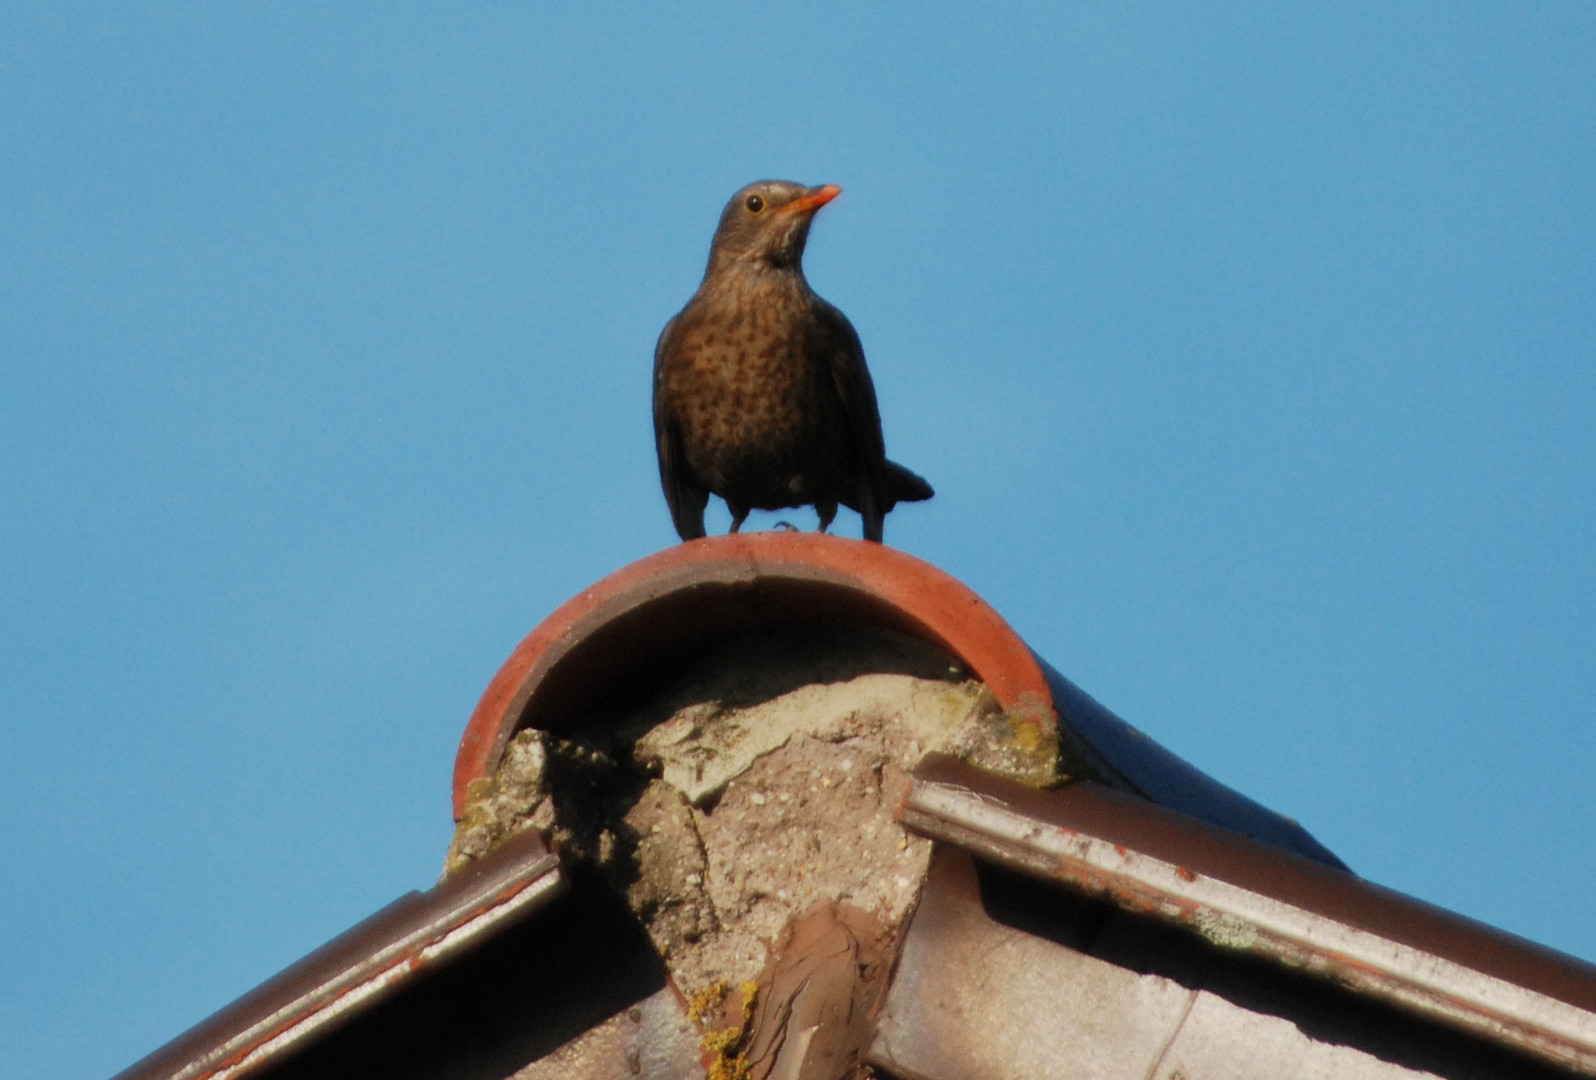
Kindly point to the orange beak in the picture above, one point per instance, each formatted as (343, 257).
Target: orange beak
(813, 199)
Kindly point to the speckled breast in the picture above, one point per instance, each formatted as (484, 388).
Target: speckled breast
(751, 392)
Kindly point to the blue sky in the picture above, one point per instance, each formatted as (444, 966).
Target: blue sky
(1250, 350)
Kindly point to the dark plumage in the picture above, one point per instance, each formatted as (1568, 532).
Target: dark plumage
(761, 394)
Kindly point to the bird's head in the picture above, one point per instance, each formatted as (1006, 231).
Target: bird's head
(768, 222)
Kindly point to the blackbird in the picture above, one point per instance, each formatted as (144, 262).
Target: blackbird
(761, 394)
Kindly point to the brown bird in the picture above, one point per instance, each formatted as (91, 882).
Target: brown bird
(761, 394)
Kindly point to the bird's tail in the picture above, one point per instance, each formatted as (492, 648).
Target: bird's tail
(904, 486)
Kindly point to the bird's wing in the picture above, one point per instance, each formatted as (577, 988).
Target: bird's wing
(855, 391)
(685, 498)
(857, 396)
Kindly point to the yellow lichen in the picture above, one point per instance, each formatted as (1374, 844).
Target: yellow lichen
(736, 1068)
(703, 1002)
(720, 1046)
(721, 1043)
(750, 991)
(1028, 737)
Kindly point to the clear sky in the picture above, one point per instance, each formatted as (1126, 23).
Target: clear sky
(1249, 348)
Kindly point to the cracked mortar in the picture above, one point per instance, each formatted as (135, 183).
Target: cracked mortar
(760, 787)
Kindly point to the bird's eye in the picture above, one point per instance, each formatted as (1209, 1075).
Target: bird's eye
(754, 203)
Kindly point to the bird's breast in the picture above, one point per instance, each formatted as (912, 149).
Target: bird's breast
(745, 376)
(747, 388)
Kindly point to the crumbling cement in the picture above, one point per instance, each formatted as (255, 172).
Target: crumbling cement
(754, 797)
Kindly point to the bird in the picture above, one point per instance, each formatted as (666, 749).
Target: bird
(761, 393)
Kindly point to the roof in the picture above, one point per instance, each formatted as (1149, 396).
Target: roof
(361, 967)
(1251, 899)
(1149, 922)
(633, 628)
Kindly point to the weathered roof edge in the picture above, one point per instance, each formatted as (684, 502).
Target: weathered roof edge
(366, 964)
(1247, 896)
